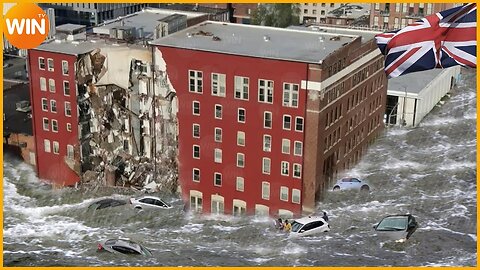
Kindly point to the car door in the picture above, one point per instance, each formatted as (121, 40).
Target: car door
(159, 204)
(312, 228)
(147, 203)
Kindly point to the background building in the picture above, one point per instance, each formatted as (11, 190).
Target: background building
(316, 12)
(246, 130)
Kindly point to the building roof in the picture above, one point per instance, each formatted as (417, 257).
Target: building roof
(146, 19)
(69, 27)
(71, 47)
(413, 82)
(350, 11)
(257, 41)
(15, 121)
(365, 34)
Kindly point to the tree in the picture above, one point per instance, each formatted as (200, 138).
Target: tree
(277, 15)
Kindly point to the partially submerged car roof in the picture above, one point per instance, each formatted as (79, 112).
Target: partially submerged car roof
(305, 220)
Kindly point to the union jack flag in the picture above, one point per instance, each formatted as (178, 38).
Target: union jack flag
(440, 40)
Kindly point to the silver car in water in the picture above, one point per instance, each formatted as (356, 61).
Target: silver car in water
(397, 227)
(124, 246)
(149, 202)
(351, 183)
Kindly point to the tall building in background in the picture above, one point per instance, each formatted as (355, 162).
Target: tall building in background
(390, 16)
(316, 12)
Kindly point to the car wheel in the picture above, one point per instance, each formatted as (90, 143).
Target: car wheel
(365, 188)
(336, 188)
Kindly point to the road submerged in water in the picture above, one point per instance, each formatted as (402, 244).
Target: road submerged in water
(428, 171)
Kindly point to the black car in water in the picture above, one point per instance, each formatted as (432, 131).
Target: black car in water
(397, 227)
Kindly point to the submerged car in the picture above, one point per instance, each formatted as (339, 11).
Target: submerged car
(106, 203)
(397, 227)
(149, 202)
(124, 246)
(308, 226)
(351, 183)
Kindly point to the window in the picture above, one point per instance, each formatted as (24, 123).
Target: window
(284, 193)
(285, 146)
(196, 175)
(41, 63)
(196, 203)
(298, 148)
(265, 91)
(218, 85)
(46, 144)
(54, 125)
(298, 124)
(46, 124)
(44, 105)
(290, 95)
(241, 115)
(69, 127)
(240, 138)
(56, 147)
(297, 170)
(64, 67)
(314, 12)
(305, 11)
(50, 64)
(287, 122)
(295, 195)
(217, 179)
(266, 165)
(51, 85)
(265, 190)
(53, 106)
(196, 130)
(196, 151)
(70, 151)
(218, 111)
(377, 6)
(195, 81)
(196, 108)
(66, 88)
(218, 134)
(43, 84)
(240, 160)
(240, 184)
(218, 206)
(239, 207)
(267, 143)
(241, 87)
(218, 155)
(332, 5)
(267, 120)
(285, 168)
(68, 109)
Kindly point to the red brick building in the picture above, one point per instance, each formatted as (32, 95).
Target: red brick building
(268, 116)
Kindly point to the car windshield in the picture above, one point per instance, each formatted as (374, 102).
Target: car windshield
(296, 226)
(393, 224)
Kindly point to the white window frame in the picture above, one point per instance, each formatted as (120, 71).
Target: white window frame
(215, 179)
(68, 109)
(217, 153)
(43, 84)
(218, 134)
(218, 108)
(69, 127)
(265, 190)
(296, 123)
(54, 125)
(285, 165)
(44, 105)
(197, 197)
(286, 146)
(197, 78)
(267, 143)
(51, 86)
(70, 151)
(297, 170)
(244, 115)
(53, 106)
(240, 160)
(217, 205)
(50, 60)
(56, 148)
(296, 194)
(240, 184)
(300, 152)
(291, 92)
(45, 124)
(46, 146)
(266, 89)
(219, 84)
(285, 126)
(65, 64)
(64, 88)
(193, 151)
(266, 164)
(40, 64)
(194, 175)
(265, 119)
(284, 193)
(193, 107)
(195, 130)
(240, 138)
(242, 88)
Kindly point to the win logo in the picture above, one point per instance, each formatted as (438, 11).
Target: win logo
(26, 26)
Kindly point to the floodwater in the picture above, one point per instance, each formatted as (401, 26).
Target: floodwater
(428, 171)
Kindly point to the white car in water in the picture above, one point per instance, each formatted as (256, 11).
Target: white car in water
(308, 226)
(351, 183)
(149, 202)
